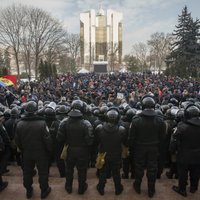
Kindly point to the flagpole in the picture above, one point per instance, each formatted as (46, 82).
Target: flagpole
(10, 92)
(5, 86)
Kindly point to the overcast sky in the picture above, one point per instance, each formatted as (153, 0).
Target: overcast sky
(141, 18)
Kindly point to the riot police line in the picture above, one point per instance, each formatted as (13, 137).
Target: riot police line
(109, 137)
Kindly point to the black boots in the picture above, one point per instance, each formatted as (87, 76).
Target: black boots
(29, 193)
(82, 188)
(119, 190)
(45, 193)
(179, 191)
(68, 186)
(151, 189)
(3, 185)
(100, 189)
(193, 189)
(136, 186)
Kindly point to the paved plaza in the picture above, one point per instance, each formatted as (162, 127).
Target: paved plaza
(16, 191)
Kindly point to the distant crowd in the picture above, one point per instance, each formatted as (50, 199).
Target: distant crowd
(97, 88)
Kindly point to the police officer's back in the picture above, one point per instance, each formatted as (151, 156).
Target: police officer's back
(187, 139)
(3, 140)
(111, 136)
(146, 136)
(77, 134)
(33, 139)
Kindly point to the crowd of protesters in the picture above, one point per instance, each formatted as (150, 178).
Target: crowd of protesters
(95, 88)
(100, 104)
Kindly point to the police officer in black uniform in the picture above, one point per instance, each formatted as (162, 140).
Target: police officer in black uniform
(77, 133)
(61, 113)
(146, 136)
(127, 160)
(111, 136)
(53, 124)
(187, 138)
(9, 126)
(33, 139)
(6, 153)
(3, 139)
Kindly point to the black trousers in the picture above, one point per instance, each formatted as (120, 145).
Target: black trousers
(128, 165)
(4, 159)
(42, 164)
(114, 166)
(60, 163)
(76, 157)
(146, 157)
(193, 170)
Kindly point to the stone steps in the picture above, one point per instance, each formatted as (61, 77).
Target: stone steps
(16, 191)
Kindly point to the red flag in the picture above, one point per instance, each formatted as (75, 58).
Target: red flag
(12, 78)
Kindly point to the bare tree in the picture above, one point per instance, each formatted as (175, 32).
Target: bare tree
(72, 42)
(26, 45)
(46, 32)
(113, 58)
(11, 27)
(159, 44)
(140, 51)
(30, 32)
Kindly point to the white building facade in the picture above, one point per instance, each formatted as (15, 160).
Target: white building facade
(100, 37)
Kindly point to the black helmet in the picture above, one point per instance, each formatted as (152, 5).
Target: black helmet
(148, 103)
(77, 104)
(130, 113)
(121, 107)
(31, 107)
(169, 114)
(157, 106)
(185, 104)
(159, 112)
(191, 100)
(40, 111)
(96, 111)
(17, 102)
(110, 104)
(12, 105)
(46, 103)
(1, 114)
(76, 97)
(14, 112)
(180, 115)
(2, 109)
(191, 111)
(7, 113)
(197, 104)
(112, 116)
(23, 106)
(52, 105)
(75, 113)
(173, 101)
(103, 110)
(50, 112)
(164, 108)
(85, 107)
(127, 107)
(63, 109)
(138, 105)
